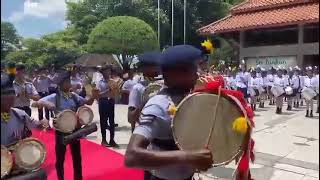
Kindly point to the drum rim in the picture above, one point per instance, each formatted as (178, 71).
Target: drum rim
(39, 162)
(241, 109)
(8, 154)
(89, 110)
(154, 84)
(58, 117)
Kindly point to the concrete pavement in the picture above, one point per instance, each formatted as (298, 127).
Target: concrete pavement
(287, 145)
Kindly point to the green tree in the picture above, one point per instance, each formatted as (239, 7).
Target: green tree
(10, 40)
(122, 35)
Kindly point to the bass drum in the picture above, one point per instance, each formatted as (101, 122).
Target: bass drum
(66, 121)
(6, 161)
(195, 114)
(85, 115)
(29, 154)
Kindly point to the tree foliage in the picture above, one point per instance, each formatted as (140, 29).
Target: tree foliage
(122, 35)
(10, 40)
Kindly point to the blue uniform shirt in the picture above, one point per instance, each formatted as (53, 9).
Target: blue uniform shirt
(155, 123)
(65, 102)
(12, 130)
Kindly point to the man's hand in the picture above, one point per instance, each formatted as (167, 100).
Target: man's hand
(201, 160)
(95, 93)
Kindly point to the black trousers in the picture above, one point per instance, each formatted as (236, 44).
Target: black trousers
(60, 156)
(27, 109)
(52, 90)
(106, 112)
(46, 111)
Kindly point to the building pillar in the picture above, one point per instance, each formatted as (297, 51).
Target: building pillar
(241, 40)
(300, 45)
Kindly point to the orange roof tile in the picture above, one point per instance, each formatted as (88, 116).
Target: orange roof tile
(302, 13)
(250, 5)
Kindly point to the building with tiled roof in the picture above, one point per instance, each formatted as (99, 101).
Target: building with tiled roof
(272, 32)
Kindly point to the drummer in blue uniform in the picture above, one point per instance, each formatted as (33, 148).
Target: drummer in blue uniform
(149, 66)
(163, 158)
(62, 100)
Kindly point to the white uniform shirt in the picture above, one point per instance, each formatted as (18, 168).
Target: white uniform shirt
(294, 82)
(281, 82)
(307, 82)
(42, 84)
(231, 82)
(270, 80)
(242, 79)
(128, 85)
(135, 96)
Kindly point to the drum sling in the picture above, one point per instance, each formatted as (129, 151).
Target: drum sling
(26, 131)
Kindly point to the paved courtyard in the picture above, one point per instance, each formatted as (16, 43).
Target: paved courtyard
(287, 145)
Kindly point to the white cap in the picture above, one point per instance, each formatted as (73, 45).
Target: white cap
(309, 68)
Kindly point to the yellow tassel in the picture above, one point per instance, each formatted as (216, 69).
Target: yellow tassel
(172, 110)
(240, 125)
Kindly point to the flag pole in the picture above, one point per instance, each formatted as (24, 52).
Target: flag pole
(172, 21)
(184, 21)
(159, 22)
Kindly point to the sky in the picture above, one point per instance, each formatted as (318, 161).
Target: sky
(34, 18)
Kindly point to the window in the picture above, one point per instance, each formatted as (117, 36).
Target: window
(269, 37)
(311, 34)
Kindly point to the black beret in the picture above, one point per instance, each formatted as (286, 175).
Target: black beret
(7, 83)
(20, 67)
(180, 55)
(149, 58)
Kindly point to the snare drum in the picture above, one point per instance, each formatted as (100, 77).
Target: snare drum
(308, 93)
(150, 91)
(29, 154)
(195, 114)
(288, 90)
(85, 115)
(277, 91)
(66, 121)
(6, 161)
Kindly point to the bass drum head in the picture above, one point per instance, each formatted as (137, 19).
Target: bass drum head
(194, 118)
(29, 154)
(66, 121)
(85, 115)
(6, 161)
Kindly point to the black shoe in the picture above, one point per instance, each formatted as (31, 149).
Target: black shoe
(116, 125)
(307, 114)
(280, 110)
(262, 105)
(311, 114)
(301, 103)
(277, 111)
(105, 144)
(113, 144)
(317, 110)
(289, 108)
(270, 103)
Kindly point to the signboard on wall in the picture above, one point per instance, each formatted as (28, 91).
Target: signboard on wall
(268, 62)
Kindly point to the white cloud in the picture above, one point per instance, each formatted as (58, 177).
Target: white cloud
(41, 9)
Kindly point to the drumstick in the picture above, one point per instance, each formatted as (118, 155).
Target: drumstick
(214, 118)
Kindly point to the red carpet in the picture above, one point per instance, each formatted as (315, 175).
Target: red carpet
(98, 163)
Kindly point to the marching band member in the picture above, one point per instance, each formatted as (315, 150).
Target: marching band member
(253, 85)
(296, 86)
(302, 81)
(315, 82)
(127, 86)
(264, 86)
(63, 100)
(242, 80)
(25, 91)
(42, 83)
(292, 82)
(279, 81)
(270, 81)
(149, 66)
(308, 84)
(106, 103)
(163, 158)
(231, 80)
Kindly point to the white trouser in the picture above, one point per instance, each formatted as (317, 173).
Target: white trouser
(309, 104)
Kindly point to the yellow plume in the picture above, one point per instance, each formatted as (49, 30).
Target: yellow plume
(208, 45)
(240, 125)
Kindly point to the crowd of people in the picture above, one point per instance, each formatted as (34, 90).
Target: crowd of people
(54, 90)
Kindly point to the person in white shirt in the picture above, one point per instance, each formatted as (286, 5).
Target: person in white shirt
(263, 87)
(279, 82)
(315, 82)
(296, 80)
(269, 82)
(42, 83)
(292, 82)
(308, 84)
(231, 80)
(253, 85)
(302, 77)
(242, 79)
